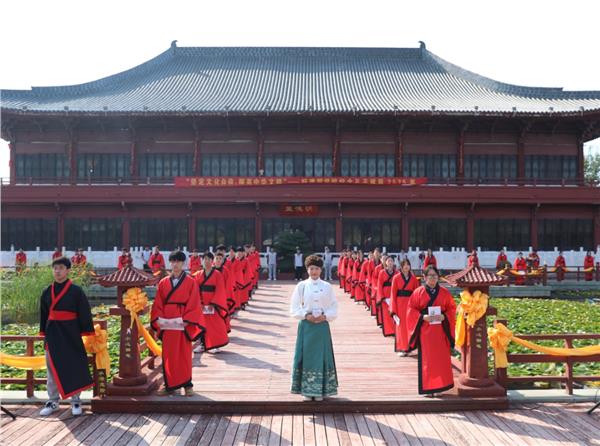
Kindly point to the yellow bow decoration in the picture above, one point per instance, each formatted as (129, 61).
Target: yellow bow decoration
(588, 270)
(472, 307)
(98, 344)
(135, 300)
(23, 362)
(500, 337)
(502, 272)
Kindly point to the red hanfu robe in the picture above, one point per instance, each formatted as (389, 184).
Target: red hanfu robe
(56, 254)
(214, 306)
(361, 287)
(535, 261)
(349, 272)
(561, 265)
(501, 261)
(256, 269)
(21, 260)
(229, 293)
(195, 264)
(80, 260)
(181, 300)
(434, 341)
(342, 271)
(473, 260)
(520, 265)
(124, 260)
(374, 285)
(429, 261)
(239, 282)
(157, 262)
(384, 290)
(65, 316)
(588, 262)
(402, 289)
(367, 270)
(358, 266)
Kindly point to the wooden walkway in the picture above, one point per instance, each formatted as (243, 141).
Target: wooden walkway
(252, 373)
(544, 424)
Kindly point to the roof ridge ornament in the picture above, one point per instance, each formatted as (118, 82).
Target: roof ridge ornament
(174, 46)
(422, 45)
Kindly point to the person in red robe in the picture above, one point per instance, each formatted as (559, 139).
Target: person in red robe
(378, 262)
(124, 259)
(403, 285)
(255, 255)
(213, 297)
(79, 259)
(473, 259)
(342, 268)
(195, 262)
(358, 278)
(177, 319)
(366, 271)
(220, 266)
(350, 272)
(534, 260)
(57, 254)
(431, 318)
(20, 261)
(157, 261)
(520, 265)
(561, 266)
(588, 262)
(429, 260)
(238, 269)
(65, 316)
(361, 288)
(501, 261)
(384, 294)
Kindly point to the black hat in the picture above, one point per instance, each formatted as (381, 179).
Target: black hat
(177, 256)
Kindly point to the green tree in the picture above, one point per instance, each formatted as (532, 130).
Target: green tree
(285, 243)
(591, 167)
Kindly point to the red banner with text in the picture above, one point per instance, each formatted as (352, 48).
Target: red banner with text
(276, 181)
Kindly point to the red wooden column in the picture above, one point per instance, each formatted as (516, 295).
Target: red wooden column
(260, 152)
(533, 229)
(580, 161)
(521, 159)
(335, 151)
(72, 161)
(197, 157)
(12, 164)
(460, 155)
(470, 229)
(399, 150)
(596, 227)
(60, 230)
(125, 231)
(404, 230)
(133, 159)
(258, 228)
(339, 240)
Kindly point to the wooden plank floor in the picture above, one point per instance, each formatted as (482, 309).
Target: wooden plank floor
(255, 367)
(543, 424)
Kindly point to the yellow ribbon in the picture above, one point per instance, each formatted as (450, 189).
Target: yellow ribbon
(472, 308)
(136, 300)
(23, 362)
(97, 344)
(502, 272)
(588, 270)
(500, 337)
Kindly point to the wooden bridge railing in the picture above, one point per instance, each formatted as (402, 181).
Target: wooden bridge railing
(30, 381)
(523, 358)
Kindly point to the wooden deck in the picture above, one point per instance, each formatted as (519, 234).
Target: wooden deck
(252, 373)
(544, 424)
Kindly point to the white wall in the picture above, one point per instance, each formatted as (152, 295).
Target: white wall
(450, 259)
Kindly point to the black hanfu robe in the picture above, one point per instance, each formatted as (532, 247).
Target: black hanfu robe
(213, 298)
(178, 301)
(65, 316)
(434, 341)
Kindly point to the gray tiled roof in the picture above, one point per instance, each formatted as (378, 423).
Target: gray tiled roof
(296, 80)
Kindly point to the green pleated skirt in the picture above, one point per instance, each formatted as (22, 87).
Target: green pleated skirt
(314, 372)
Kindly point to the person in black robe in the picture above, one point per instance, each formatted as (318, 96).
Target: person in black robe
(65, 316)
